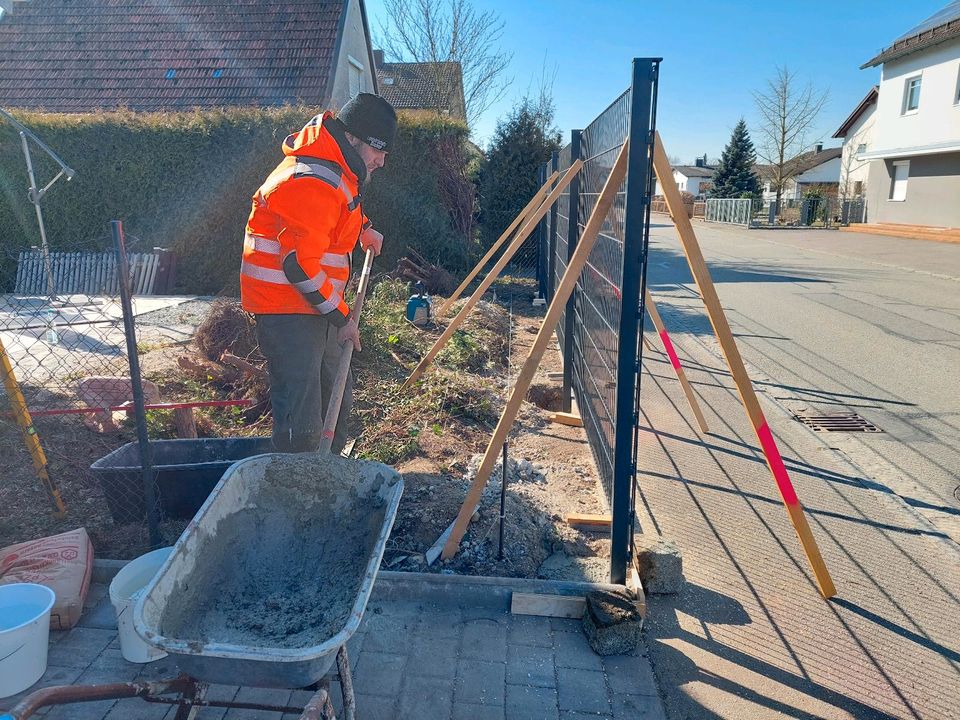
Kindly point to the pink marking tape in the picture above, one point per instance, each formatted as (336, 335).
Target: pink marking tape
(671, 353)
(769, 446)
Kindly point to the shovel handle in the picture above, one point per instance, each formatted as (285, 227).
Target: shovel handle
(343, 370)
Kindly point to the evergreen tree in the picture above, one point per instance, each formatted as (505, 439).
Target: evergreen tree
(522, 142)
(735, 177)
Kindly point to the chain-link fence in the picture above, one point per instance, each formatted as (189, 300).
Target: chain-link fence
(599, 336)
(67, 421)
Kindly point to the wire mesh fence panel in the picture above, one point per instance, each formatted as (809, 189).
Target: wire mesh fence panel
(598, 298)
(600, 331)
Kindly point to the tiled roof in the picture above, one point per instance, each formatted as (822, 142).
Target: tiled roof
(695, 170)
(83, 55)
(943, 25)
(423, 86)
(802, 162)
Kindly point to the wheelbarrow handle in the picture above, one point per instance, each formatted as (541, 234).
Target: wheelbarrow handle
(343, 370)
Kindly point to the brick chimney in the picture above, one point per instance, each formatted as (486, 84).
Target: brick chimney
(818, 148)
(377, 56)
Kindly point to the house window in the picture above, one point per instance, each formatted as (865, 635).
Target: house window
(357, 84)
(911, 94)
(898, 184)
(861, 148)
(858, 187)
(956, 95)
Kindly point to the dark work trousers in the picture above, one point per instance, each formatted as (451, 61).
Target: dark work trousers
(302, 355)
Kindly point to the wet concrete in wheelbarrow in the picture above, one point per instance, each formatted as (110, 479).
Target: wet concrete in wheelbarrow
(286, 571)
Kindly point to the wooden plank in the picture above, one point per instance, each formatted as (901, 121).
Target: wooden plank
(698, 267)
(550, 320)
(558, 606)
(521, 236)
(554, 376)
(534, 202)
(587, 520)
(651, 307)
(566, 419)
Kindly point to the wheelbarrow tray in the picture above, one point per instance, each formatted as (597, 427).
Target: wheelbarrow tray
(263, 525)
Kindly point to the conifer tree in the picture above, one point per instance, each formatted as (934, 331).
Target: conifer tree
(734, 176)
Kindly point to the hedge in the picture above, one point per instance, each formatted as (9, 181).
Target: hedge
(184, 181)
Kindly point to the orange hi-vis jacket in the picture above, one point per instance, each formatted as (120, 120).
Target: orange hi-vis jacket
(304, 224)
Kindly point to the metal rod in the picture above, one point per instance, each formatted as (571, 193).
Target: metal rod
(243, 402)
(35, 199)
(64, 694)
(503, 499)
(133, 358)
(346, 684)
(573, 233)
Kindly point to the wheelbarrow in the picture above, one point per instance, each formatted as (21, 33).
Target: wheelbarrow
(265, 586)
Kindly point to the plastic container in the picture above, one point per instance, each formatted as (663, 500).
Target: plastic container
(186, 472)
(125, 590)
(24, 635)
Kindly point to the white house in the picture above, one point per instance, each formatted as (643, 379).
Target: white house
(857, 135)
(818, 168)
(914, 156)
(692, 178)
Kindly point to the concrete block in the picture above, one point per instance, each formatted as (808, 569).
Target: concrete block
(660, 564)
(612, 622)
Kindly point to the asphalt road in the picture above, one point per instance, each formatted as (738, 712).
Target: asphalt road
(835, 322)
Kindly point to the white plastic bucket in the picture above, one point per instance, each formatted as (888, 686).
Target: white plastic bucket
(125, 589)
(24, 635)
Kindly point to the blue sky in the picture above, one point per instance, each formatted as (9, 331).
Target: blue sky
(714, 54)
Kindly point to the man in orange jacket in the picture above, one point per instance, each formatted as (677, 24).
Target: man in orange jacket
(305, 222)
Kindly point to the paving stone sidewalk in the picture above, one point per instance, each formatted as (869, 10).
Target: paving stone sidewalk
(750, 636)
(430, 658)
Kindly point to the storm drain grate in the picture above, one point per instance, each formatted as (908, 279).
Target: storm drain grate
(836, 422)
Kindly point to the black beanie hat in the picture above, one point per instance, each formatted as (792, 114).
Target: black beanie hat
(372, 119)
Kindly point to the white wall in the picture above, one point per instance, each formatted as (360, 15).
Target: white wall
(828, 172)
(354, 45)
(852, 168)
(936, 122)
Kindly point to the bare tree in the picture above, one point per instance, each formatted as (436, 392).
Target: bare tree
(788, 111)
(439, 32)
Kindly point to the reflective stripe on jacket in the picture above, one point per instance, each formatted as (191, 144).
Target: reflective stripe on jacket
(303, 226)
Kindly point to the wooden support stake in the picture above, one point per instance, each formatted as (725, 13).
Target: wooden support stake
(534, 202)
(521, 236)
(18, 405)
(748, 397)
(550, 320)
(675, 360)
(563, 418)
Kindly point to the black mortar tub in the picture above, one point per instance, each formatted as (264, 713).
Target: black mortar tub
(186, 472)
